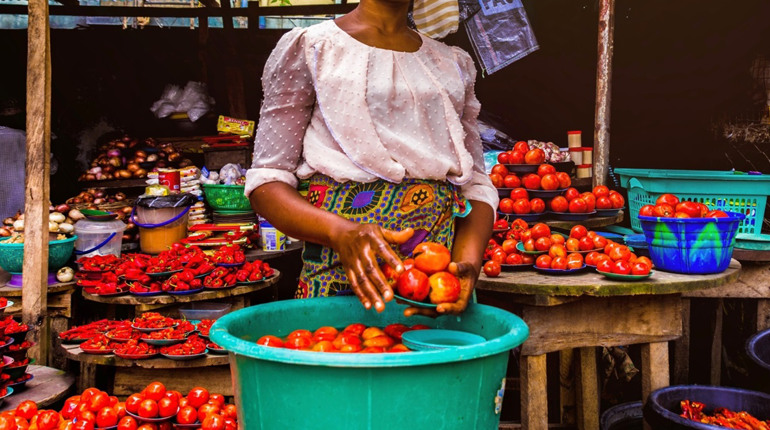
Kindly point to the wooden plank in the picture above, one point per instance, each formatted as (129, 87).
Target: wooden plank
(132, 380)
(87, 376)
(602, 321)
(763, 314)
(593, 284)
(654, 369)
(753, 283)
(74, 353)
(56, 356)
(606, 48)
(716, 344)
(567, 386)
(47, 387)
(588, 390)
(60, 305)
(37, 178)
(16, 292)
(534, 396)
(682, 348)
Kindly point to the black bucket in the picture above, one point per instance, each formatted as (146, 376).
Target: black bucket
(662, 410)
(625, 416)
(758, 348)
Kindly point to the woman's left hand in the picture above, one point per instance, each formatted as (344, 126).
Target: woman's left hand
(467, 275)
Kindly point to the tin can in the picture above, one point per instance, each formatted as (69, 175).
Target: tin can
(270, 238)
(170, 179)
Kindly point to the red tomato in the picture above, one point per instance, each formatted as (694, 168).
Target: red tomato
(492, 268)
(206, 410)
(540, 230)
(537, 205)
(48, 420)
(213, 422)
(663, 210)
(413, 284)
(87, 393)
(681, 215)
(83, 425)
(86, 415)
(300, 333)
(716, 214)
(127, 423)
(556, 251)
(549, 182)
(557, 239)
(149, 426)
(21, 423)
(148, 409)
(173, 394)
(647, 210)
(599, 241)
(571, 193)
(298, 342)
(500, 170)
(500, 224)
(511, 181)
(591, 258)
(543, 261)
(621, 267)
(529, 244)
(531, 181)
(504, 157)
(564, 180)
(232, 424)
(506, 206)
(357, 328)
(7, 423)
(107, 417)
(187, 415)
(114, 400)
(26, 409)
(497, 180)
(559, 204)
(514, 259)
(120, 409)
(601, 191)
(572, 244)
(543, 243)
(545, 169)
(578, 231)
(703, 209)
(559, 263)
(509, 245)
(585, 243)
(603, 202)
(431, 257)
(154, 391)
(267, 340)
(534, 156)
(521, 146)
(667, 199)
(590, 200)
(98, 401)
(644, 260)
(393, 330)
(133, 401)
(499, 255)
(604, 265)
(617, 200)
(516, 157)
(578, 206)
(639, 269)
(522, 207)
(167, 407)
(519, 193)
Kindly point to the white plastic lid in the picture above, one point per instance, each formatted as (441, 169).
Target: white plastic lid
(87, 226)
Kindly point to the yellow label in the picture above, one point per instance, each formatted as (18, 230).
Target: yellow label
(241, 127)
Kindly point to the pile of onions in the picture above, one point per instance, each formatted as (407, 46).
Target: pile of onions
(97, 196)
(127, 158)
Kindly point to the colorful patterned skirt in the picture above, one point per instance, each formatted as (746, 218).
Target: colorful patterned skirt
(428, 207)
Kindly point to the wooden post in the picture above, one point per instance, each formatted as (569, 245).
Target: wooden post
(654, 369)
(534, 397)
(35, 287)
(588, 390)
(603, 85)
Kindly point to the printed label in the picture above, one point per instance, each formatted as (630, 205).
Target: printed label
(499, 398)
(491, 7)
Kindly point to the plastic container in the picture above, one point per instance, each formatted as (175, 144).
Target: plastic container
(452, 389)
(574, 139)
(204, 310)
(691, 245)
(758, 348)
(270, 238)
(584, 170)
(59, 252)
(99, 237)
(725, 190)
(576, 155)
(625, 416)
(226, 197)
(162, 220)
(662, 409)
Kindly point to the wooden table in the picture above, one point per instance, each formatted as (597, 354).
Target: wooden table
(585, 311)
(47, 387)
(131, 376)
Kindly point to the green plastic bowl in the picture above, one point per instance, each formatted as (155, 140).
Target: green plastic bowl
(452, 389)
(226, 197)
(59, 252)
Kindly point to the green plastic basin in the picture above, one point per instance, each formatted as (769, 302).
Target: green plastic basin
(275, 388)
(59, 252)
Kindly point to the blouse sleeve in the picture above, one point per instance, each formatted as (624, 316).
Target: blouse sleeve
(286, 110)
(480, 186)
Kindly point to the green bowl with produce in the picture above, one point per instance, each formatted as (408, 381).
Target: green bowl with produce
(59, 252)
(226, 197)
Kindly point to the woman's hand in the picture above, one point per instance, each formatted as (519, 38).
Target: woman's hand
(359, 247)
(467, 274)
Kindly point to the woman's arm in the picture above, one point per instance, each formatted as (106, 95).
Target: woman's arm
(358, 245)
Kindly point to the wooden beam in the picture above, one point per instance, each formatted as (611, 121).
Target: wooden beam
(35, 269)
(603, 86)
(179, 12)
(72, 3)
(210, 3)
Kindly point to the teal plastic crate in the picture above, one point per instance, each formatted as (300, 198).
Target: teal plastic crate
(725, 190)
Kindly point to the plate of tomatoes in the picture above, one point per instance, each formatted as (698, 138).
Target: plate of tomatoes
(135, 350)
(520, 248)
(99, 345)
(559, 272)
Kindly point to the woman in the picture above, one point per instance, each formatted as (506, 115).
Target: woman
(383, 122)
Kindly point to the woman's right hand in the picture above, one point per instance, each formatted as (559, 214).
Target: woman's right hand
(359, 247)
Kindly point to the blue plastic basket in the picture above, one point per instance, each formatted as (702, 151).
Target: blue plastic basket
(725, 190)
(691, 245)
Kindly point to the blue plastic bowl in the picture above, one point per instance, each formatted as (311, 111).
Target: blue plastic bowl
(59, 252)
(662, 409)
(691, 245)
(758, 348)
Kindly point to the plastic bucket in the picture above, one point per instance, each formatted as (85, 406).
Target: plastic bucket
(459, 388)
(691, 245)
(99, 237)
(625, 416)
(662, 409)
(159, 228)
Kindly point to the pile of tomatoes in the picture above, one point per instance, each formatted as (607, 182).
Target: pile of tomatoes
(96, 409)
(425, 276)
(353, 338)
(670, 206)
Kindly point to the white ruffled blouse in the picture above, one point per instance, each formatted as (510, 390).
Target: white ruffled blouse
(336, 106)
